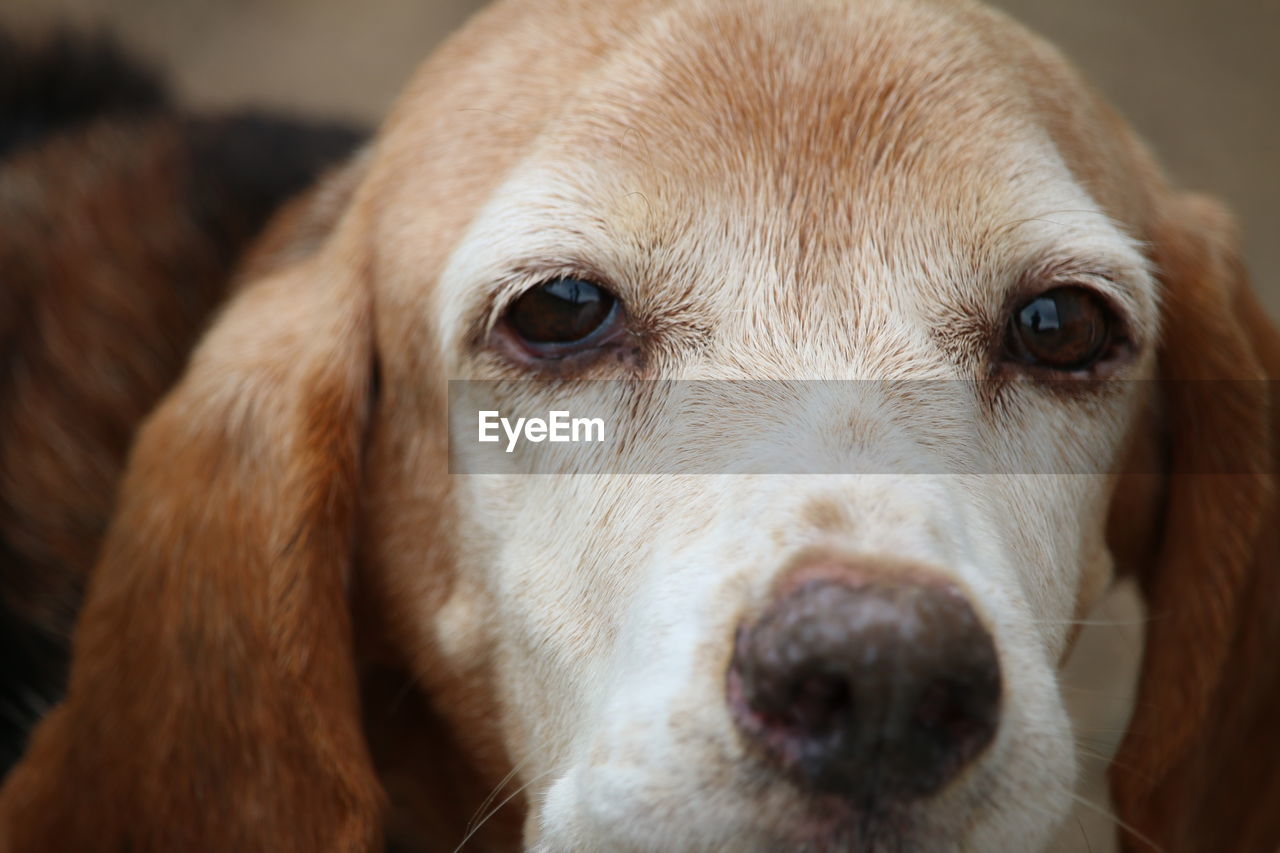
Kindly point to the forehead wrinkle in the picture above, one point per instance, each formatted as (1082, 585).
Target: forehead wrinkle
(729, 97)
(718, 108)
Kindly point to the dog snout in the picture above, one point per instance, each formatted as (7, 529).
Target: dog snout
(874, 691)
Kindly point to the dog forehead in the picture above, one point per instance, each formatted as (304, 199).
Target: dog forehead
(812, 145)
(794, 94)
(800, 155)
(808, 138)
(829, 72)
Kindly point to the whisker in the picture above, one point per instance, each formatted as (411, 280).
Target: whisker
(643, 198)
(482, 110)
(1109, 815)
(1092, 753)
(992, 802)
(1084, 834)
(1101, 622)
(1111, 762)
(499, 806)
(1091, 692)
(1006, 226)
(471, 824)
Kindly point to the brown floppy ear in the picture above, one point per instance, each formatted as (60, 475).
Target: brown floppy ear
(213, 699)
(1199, 769)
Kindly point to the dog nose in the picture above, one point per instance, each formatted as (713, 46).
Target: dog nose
(877, 691)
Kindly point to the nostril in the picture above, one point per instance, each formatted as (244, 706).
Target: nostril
(949, 710)
(810, 706)
(954, 718)
(798, 722)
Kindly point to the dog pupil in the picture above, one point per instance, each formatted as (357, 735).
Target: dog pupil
(1064, 328)
(561, 311)
(1041, 316)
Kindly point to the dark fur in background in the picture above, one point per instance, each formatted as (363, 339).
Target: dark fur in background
(122, 217)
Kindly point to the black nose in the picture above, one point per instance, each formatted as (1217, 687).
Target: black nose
(874, 691)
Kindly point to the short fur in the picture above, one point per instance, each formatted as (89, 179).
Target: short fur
(121, 220)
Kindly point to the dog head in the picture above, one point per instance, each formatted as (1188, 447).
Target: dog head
(857, 650)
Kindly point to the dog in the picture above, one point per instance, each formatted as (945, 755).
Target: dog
(310, 627)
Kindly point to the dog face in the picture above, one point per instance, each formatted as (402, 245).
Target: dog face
(863, 192)
(917, 205)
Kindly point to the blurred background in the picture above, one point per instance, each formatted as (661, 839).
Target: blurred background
(1198, 78)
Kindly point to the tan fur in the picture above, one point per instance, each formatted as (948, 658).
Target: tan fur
(776, 190)
(228, 561)
(1192, 773)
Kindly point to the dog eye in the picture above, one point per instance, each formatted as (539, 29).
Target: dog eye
(1066, 328)
(562, 313)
